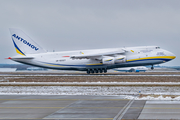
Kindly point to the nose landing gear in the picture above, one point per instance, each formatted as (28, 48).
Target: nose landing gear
(152, 68)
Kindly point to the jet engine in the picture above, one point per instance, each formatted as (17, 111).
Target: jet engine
(113, 60)
(120, 59)
(108, 60)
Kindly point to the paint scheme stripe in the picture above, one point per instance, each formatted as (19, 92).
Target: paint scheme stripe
(54, 65)
(17, 48)
(157, 57)
(95, 64)
(149, 59)
(163, 58)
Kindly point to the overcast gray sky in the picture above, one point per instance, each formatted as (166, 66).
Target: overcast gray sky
(62, 25)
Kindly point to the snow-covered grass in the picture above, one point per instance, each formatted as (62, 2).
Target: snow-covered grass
(150, 90)
(160, 97)
(90, 90)
(93, 83)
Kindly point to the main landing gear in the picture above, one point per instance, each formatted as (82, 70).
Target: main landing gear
(96, 70)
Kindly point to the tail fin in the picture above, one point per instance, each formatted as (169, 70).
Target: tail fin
(24, 44)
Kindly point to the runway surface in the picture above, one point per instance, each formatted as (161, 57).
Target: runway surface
(79, 75)
(89, 97)
(85, 107)
(58, 73)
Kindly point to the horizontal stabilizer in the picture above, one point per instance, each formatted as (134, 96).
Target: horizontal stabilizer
(22, 57)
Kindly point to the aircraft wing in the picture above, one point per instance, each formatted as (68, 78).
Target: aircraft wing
(98, 55)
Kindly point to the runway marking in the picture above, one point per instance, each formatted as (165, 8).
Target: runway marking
(81, 118)
(65, 99)
(20, 118)
(159, 108)
(61, 109)
(92, 107)
(40, 99)
(61, 118)
(31, 107)
(123, 111)
(57, 107)
(82, 108)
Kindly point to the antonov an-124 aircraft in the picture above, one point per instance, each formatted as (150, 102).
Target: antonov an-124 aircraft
(92, 61)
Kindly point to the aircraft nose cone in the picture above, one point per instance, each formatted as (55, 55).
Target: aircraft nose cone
(173, 56)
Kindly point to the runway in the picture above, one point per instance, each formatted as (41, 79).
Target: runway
(78, 107)
(89, 97)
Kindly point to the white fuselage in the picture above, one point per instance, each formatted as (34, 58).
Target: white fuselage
(133, 56)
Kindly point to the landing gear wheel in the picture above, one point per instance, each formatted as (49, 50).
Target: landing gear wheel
(96, 70)
(105, 70)
(92, 71)
(88, 71)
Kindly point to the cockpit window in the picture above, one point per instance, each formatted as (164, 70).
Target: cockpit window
(157, 47)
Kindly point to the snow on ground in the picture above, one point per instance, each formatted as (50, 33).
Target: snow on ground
(90, 83)
(129, 91)
(90, 90)
(153, 98)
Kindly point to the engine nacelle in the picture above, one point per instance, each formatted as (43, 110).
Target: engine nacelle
(120, 59)
(108, 60)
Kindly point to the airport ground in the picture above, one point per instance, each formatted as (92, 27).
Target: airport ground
(82, 107)
(95, 105)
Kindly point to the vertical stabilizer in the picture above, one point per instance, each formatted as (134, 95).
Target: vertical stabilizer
(24, 44)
